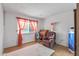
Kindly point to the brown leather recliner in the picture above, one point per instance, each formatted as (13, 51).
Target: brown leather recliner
(42, 34)
(49, 39)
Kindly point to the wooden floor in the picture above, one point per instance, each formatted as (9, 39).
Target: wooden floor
(10, 49)
(59, 50)
(62, 51)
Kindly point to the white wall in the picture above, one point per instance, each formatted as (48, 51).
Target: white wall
(64, 21)
(11, 27)
(1, 29)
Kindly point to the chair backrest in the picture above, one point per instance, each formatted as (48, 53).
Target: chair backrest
(43, 32)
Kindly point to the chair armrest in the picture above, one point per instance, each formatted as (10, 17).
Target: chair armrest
(50, 40)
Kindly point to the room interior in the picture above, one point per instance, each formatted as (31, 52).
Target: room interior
(29, 26)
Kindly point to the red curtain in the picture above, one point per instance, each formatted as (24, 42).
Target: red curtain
(34, 25)
(21, 26)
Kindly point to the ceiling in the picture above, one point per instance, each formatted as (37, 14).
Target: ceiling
(40, 10)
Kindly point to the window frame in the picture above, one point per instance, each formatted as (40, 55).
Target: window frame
(28, 25)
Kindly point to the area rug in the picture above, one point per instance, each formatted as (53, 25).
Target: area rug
(33, 50)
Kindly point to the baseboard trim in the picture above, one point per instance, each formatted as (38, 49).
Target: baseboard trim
(62, 45)
(17, 45)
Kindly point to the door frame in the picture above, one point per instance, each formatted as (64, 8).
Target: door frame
(75, 31)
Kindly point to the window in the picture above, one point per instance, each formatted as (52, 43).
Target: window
(26, 26)
(33, 25)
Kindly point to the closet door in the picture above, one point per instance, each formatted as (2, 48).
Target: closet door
(77, 31)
